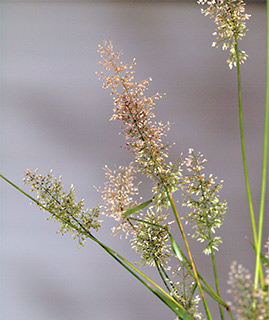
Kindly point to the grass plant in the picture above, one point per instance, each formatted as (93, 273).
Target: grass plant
(148, 223)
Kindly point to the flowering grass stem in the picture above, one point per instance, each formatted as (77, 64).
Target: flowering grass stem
(206, 287)
(174, 209)
(126, 264)
(169, 196)
(252, 216)
(264, 168)
(210, 243)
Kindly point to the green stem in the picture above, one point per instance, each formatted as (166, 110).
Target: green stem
(161, 275)
(113, 253)
(244, 156)
(174, 209)
(216, 277)
(243, 145)
(188, 266)
(209, 238)
(264, 168)
(169, 196)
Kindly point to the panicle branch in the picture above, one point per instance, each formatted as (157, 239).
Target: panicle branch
(201, 196)
(63, 205)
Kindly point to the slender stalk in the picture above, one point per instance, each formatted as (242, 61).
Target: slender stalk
(264, 167)
(216, 277)
(169, 196)
(243, 145)
(206, 287)
(167, 277)
(87, 233)
(244, 157)
(161, 275)
(173, 206)
(210, 244)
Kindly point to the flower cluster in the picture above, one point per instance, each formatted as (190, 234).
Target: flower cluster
(245, 294)
(201, 196)
(117, 195)
(62, 205)
(230, 17)
(135, 110)
(150, 240)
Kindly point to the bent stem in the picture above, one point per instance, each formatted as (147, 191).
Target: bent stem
(258, 267)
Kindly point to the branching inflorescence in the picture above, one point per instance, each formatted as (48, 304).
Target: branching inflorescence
(143, 135)
(62, 205)
(201, 196)
(118, 195)
(150, 228)
(230, 17)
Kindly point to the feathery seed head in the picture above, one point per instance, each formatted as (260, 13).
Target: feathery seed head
(62, 205)
(230, 18)
(117, 195)
(135, 110)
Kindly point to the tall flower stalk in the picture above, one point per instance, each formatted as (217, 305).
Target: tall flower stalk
(147, 223)
(264, 166)
(230, 17)
(143, 135)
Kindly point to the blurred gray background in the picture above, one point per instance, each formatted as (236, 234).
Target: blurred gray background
(54, 114)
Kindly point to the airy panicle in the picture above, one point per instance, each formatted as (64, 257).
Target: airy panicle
(201, 197)
(230, 18)
(118, 195)
(62, 205)
(135, 110)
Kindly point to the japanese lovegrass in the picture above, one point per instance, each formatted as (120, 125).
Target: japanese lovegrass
(148, 223)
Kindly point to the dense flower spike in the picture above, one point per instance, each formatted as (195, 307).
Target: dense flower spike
(117, 195)
(150, 240)
(201, 195)
(135, 110)
(244, 294)
(230, 17)
(62, 205)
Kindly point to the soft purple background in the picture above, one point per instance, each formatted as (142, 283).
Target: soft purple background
(54, 114)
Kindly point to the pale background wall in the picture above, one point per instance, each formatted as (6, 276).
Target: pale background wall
(54, 114)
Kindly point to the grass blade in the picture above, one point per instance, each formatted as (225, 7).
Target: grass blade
(136, 208)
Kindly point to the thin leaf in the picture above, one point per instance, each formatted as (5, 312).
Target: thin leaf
(181, 313)
(176, 248)
(136, 208)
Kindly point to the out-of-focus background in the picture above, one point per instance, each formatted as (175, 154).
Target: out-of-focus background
(54, 114)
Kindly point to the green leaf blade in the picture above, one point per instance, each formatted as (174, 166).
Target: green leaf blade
(136, 208)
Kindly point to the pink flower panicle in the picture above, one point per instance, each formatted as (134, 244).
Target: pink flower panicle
(135, 110)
